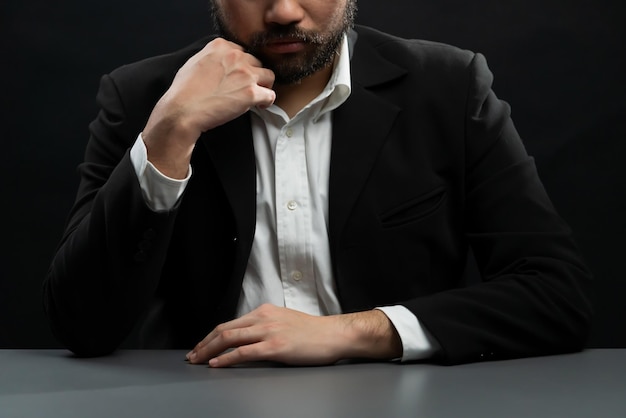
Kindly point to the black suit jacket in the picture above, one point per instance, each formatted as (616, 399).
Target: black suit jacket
(425, 163)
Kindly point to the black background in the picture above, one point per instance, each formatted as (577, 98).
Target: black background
(560, 63)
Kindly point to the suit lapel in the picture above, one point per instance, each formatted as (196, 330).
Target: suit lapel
(360, 128)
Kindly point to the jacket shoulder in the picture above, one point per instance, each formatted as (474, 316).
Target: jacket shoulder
(410, 53)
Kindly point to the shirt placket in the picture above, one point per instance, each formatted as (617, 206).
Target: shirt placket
(293, 220)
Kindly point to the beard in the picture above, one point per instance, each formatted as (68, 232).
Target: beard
(319, 53)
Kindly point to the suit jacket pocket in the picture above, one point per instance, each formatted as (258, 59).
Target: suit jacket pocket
(414, 209)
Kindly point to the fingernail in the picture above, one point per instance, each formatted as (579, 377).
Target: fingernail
(192, 356)
(214, 362)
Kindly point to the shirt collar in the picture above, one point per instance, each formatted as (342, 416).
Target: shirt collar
(340, 84)
(335, 93)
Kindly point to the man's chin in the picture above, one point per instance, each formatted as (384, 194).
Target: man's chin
(289, 71)
(289, 79)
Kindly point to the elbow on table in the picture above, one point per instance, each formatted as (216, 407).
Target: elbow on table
(82, 336)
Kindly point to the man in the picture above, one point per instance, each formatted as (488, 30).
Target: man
(302, 192)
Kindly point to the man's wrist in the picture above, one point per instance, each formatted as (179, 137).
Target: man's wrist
(171, 158)
(417, 342)
(370, 334)
(169, 143)
(159, 191)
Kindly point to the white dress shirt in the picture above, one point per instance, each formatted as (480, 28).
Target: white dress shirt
(290, 263)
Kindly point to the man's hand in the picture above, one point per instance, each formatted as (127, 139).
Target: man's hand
(215, 86)
(288, 336)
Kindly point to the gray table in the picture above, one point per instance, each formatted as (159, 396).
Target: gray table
(51, 383)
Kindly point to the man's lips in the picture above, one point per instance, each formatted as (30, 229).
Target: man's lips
(285, 46)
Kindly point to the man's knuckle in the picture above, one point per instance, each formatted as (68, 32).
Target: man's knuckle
(276, 345)
(272, 327)
(234, 58)
(245, 351)
(249, 90)
(219, 43)
(266, 308)
(228, 335)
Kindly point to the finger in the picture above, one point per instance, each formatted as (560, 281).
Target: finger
(264, 97)
(223, 43)
(265, 77)
(244, 354)
(242, 322)
(222, 343)
(239, 322)
(224, 340)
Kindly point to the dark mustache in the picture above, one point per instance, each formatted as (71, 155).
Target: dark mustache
(280, 32)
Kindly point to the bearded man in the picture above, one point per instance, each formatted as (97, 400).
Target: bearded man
(301, 190)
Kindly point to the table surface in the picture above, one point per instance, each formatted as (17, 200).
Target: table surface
(52, 383)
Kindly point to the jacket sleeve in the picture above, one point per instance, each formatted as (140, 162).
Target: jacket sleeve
(108, 263)
(533, 297)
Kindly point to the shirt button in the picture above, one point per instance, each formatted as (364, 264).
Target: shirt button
(289, 133)
(296, 275)
(292, 205)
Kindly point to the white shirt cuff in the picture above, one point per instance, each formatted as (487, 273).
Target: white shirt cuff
(417, 343)
(159, 191)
